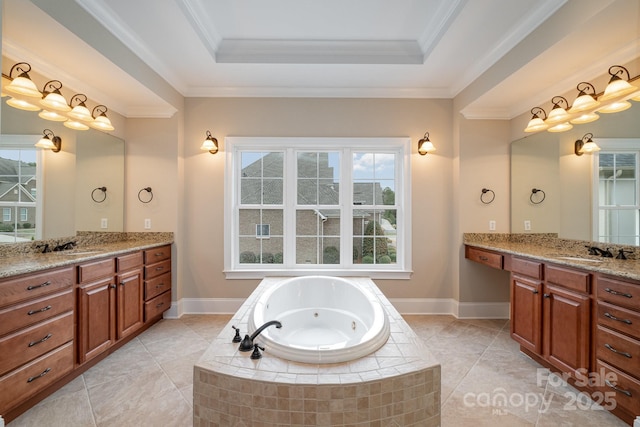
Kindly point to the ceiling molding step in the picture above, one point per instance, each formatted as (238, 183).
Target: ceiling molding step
(101, 12)
(202, 24)
(438, 25)
(519, 30)
(308, 92)
(319, 52)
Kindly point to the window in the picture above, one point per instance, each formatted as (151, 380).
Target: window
(616, 192)
(19, 172)
(318, 205)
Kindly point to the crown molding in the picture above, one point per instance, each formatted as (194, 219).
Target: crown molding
(437, 27)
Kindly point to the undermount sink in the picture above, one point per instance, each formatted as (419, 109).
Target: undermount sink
(577, 258)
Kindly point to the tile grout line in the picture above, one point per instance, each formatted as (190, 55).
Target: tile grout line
(86, 390)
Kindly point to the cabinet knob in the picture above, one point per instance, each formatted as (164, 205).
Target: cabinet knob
(121, 283)
(535, 292)
(546, 295)
(112, 286)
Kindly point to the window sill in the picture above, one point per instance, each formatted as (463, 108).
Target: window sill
(261, 274)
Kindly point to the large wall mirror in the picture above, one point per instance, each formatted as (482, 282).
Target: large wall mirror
(547, 161)
(88, 160)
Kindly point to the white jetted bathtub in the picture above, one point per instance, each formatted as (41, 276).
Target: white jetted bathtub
(324, 320)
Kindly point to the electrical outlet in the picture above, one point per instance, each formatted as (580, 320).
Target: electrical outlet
(104, 223)
(147, 224)
(527, 225)
(492, 225)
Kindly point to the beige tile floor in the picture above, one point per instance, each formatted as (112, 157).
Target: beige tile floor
(148, 382)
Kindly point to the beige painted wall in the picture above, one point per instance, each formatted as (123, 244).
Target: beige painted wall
(204, 173)
(484, 163)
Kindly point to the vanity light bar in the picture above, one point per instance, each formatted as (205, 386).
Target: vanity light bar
(587, 104)
(22, 94)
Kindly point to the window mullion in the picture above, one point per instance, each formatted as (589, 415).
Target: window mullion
(290, 202)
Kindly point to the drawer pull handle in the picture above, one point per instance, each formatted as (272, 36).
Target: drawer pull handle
(621, 390)
(623, 353)
(483, 258)
(612, 317)
(45, 372)
(159, 305)
(32, 312)
(32, 343)
(159, 254)
(159, 285)
(159, 268)
(622, 294)
(41, 285)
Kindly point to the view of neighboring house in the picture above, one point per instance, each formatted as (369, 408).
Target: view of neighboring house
(317, 221)
(17, 200)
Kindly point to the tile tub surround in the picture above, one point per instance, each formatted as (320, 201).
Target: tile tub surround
(21, 258)
(398, 383)
(548, 248)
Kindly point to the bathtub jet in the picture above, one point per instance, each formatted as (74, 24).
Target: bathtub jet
(247, 342)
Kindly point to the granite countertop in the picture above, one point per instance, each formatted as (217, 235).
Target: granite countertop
(551, 249)
(21, 258)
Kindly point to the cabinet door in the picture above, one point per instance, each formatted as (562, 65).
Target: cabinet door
(566, 329)
(130, 303)
(526, 312)
(97, 318)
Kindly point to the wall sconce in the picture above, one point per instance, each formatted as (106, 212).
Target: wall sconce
(586, 145)
(424, 145)
(537, 123)
(22, 83)
(617, 87)
(100, 120)
(54, 143)
(210, 144)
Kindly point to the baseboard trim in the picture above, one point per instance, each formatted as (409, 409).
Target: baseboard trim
(443, 306)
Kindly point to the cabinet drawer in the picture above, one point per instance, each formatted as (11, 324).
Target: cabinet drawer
(157, 254)
(34, 285)
(482, 256)
(526, 267)
(35, 376)
(157, 306)
(95, 270)
(156, 286)
(572, 279)
(129, 261)
(620, 319)
(157, 269)
(625, 387)
(618, 350)
(620, 293)
(25, 314)
(27, 344)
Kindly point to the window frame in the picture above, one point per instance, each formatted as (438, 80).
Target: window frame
(291, 146)
(612, 145)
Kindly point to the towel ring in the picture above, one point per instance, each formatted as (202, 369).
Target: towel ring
(536, 191)
(104, 194)
(485, 191)
(148, 190)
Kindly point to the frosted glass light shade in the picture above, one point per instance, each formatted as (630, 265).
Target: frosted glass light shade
(22, 105)
(24, 86)
(52, 115)
(55, 101)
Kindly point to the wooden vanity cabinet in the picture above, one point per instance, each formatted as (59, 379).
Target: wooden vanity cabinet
(129, 293)
(96, 308)
(526, 303)
(617, 341)
(157, 282)
(37, 330)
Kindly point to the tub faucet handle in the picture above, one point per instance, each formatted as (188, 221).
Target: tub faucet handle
(236, 337)
(256, 352)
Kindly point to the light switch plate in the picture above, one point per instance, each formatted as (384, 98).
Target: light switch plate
(147, 224)
(492, 225)
(104, 223)
(527, 225)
